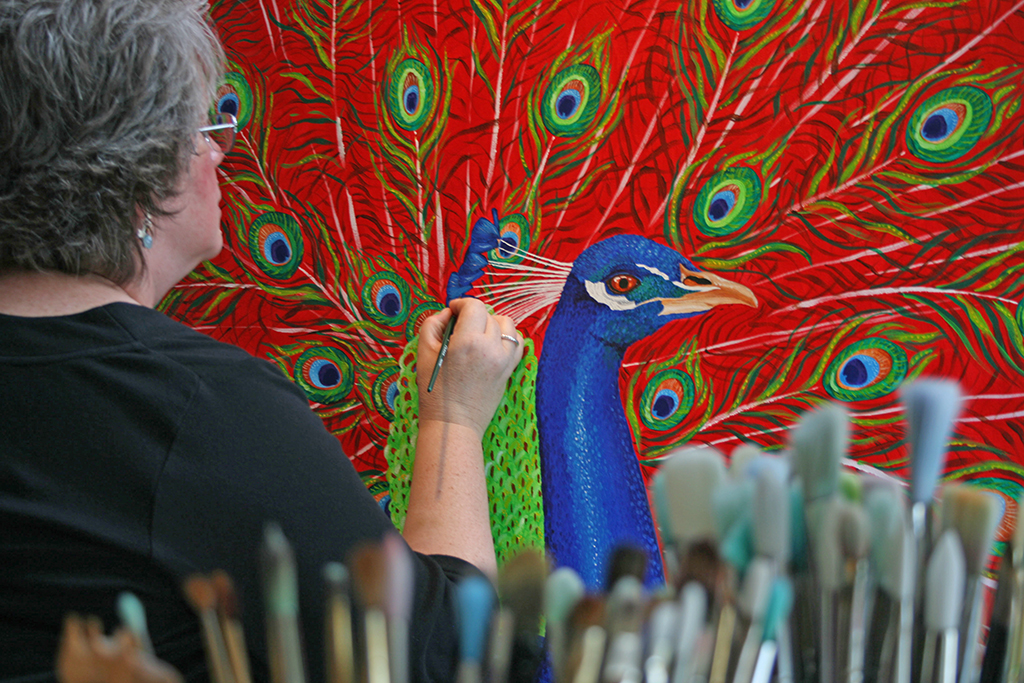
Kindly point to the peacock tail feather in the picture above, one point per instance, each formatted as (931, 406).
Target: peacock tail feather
(858, 165)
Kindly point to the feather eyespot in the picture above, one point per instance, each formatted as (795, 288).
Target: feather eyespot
(949, 123)
(740, 15)
(867, 369)
(385, 299)
(385, 392)
(571, 101)
(410, 94)
(622, 283)
(234, 97)
(326, 374)
(275, 242)
(727, 201)
(513, 239)
(667, 399)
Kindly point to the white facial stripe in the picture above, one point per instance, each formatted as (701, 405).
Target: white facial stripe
(598, 292)
(655, 271)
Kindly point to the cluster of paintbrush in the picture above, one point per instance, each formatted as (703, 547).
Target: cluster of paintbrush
(790, 567)
(375, 648)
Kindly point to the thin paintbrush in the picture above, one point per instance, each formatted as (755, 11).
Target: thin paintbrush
(401, 581)
(369, 578)
(1016, 647)
(562, 590)
(338, 648)
(281, 599)
(231, 624)
(661, 641)
(890, 543)
(203, 598)
(753, 604)
(445, 338)
(475, 599)
(994, 663)
(693, 608)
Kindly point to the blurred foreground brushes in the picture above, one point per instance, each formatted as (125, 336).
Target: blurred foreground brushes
(783, 568)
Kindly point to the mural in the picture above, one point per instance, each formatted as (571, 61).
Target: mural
(707, 217)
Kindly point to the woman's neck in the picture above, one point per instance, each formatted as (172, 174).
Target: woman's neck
(34, 294)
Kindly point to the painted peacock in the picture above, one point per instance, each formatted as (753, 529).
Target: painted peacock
(848, 175)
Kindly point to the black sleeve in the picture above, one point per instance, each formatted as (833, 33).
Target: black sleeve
(251, 451)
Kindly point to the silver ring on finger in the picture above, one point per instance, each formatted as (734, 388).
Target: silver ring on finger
(509, 337)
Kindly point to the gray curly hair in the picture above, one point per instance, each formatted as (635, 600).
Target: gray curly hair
(99, 104)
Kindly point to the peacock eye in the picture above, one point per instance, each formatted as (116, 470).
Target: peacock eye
(620, 283)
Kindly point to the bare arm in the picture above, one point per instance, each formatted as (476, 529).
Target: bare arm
(448, 508)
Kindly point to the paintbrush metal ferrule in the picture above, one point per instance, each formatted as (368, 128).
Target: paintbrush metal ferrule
(445, 338)
(723, 644)
(377, 663)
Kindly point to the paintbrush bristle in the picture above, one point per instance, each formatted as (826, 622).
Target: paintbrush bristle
(201, 594)
(819, 443)
(562, 590)
(369, 574)
(227, 598)
(742, 456)
(771, 516)
(626, 560)
(521, 586)
(691, 477)
(475, 598)
(944, 583)
(887, 516)
(974, 514)
(931, 407)
(854, 532)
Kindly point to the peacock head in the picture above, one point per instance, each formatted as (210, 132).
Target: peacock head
(635, 286)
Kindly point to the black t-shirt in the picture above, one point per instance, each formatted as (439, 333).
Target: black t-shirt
(135, 451)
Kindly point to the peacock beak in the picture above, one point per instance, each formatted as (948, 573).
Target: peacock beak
(702, 291)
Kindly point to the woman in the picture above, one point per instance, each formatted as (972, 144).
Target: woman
(134, 451)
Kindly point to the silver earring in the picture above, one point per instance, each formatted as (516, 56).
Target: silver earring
(145, 233)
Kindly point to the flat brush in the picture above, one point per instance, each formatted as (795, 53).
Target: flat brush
(974, 514)
(369, 578)
(586, 639)
(338, 647)
(203, 598)
(281, 601)
(890, 545)
(521, 586)
(624, 623)
(854, 537)
(944, 592)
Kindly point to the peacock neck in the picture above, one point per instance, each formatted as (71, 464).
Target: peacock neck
(594, 493)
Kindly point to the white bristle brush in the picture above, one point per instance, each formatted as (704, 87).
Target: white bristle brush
(974, 514)
(943, 603)
(691, 476)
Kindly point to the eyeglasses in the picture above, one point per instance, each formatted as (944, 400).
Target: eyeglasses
(221, 133)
